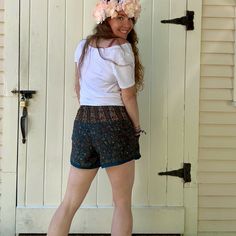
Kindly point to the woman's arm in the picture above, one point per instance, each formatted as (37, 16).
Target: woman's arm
(129, 98)
(77, 85)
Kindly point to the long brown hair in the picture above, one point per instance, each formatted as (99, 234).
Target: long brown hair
(104, 31)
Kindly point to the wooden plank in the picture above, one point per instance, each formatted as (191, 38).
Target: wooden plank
(1, 28)
(216, 233)
(24, 84)
(217, 47)
(217, 59)
(191, 116)
(158, 104)
(175, 103)
(217, 189)
(73, 33)
(217, 130)
(217, 226)
(217, 154)
(217, 166)
(234, 80)
(2, 16)
(216, 178)
(217, 118)
(2, 76)
(219, 3)
(217, 142)
(10, 129)
(216, 94)
(8, 207)
(2, 53)
(218, 35)
(2, 40)
(88, 20)
(2, 5)
(37, 107)
(217, 202)
(216, 82)
(219, 71)
(218, 11)
(1, 65)
(146, 220)
(217, 214)
(216, 23)
(55, 102)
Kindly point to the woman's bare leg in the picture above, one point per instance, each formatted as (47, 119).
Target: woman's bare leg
(78, 185)
(122, 179)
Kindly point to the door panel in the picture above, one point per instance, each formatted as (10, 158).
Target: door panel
(49, 33)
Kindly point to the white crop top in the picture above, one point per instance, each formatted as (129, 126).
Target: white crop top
(101, 80)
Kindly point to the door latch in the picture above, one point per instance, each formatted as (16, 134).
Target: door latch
(184, 173)
(25, 96)
(184, 20)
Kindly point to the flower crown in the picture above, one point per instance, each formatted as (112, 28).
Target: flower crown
(105, 8)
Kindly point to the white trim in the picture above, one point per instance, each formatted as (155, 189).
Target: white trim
(192, 88)
(10, 116)
(147, 220)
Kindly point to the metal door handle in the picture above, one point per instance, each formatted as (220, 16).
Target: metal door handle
(23, 123)
(25, 96)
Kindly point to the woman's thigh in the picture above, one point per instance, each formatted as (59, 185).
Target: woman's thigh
(122, 179)
(78, 184)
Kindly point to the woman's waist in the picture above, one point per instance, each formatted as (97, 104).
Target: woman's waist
(100, 113)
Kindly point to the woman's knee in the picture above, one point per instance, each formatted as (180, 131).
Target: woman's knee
(70, 205)
(122, 203)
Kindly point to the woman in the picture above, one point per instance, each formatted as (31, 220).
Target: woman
(106, 128)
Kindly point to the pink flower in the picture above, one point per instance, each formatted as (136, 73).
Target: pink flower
(111, 8)
(99, 12)
(132, 8)
(105, 9)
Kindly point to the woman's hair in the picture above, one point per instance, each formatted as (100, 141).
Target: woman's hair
(104, 31)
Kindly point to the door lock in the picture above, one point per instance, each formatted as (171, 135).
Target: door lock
(25, 96)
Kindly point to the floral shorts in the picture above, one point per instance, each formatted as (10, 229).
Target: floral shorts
(103, 136)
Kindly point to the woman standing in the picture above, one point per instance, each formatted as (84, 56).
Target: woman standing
(106, 128)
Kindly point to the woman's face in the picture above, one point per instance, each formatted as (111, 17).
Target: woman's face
(121, 25)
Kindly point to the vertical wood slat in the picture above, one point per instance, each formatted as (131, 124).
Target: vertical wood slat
(24, 79)
(73, 33)
(37, 107)
(191, 133)
(158, 91)
(141, 185)
(175, 100)
(10, 103)
(55, 102)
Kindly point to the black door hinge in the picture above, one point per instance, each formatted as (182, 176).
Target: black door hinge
(184, 173)
(184, 20)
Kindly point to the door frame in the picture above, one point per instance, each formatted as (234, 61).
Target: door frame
(10, 113)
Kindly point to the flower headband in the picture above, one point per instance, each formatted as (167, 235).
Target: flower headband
(105, 8)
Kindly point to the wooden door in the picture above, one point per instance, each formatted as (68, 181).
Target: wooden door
(49, 33)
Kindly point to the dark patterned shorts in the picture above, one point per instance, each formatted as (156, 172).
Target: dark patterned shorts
(103, 136)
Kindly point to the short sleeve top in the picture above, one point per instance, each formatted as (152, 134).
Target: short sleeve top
(101, 80)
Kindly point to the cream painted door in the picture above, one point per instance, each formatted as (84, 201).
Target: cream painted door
(49, 32)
